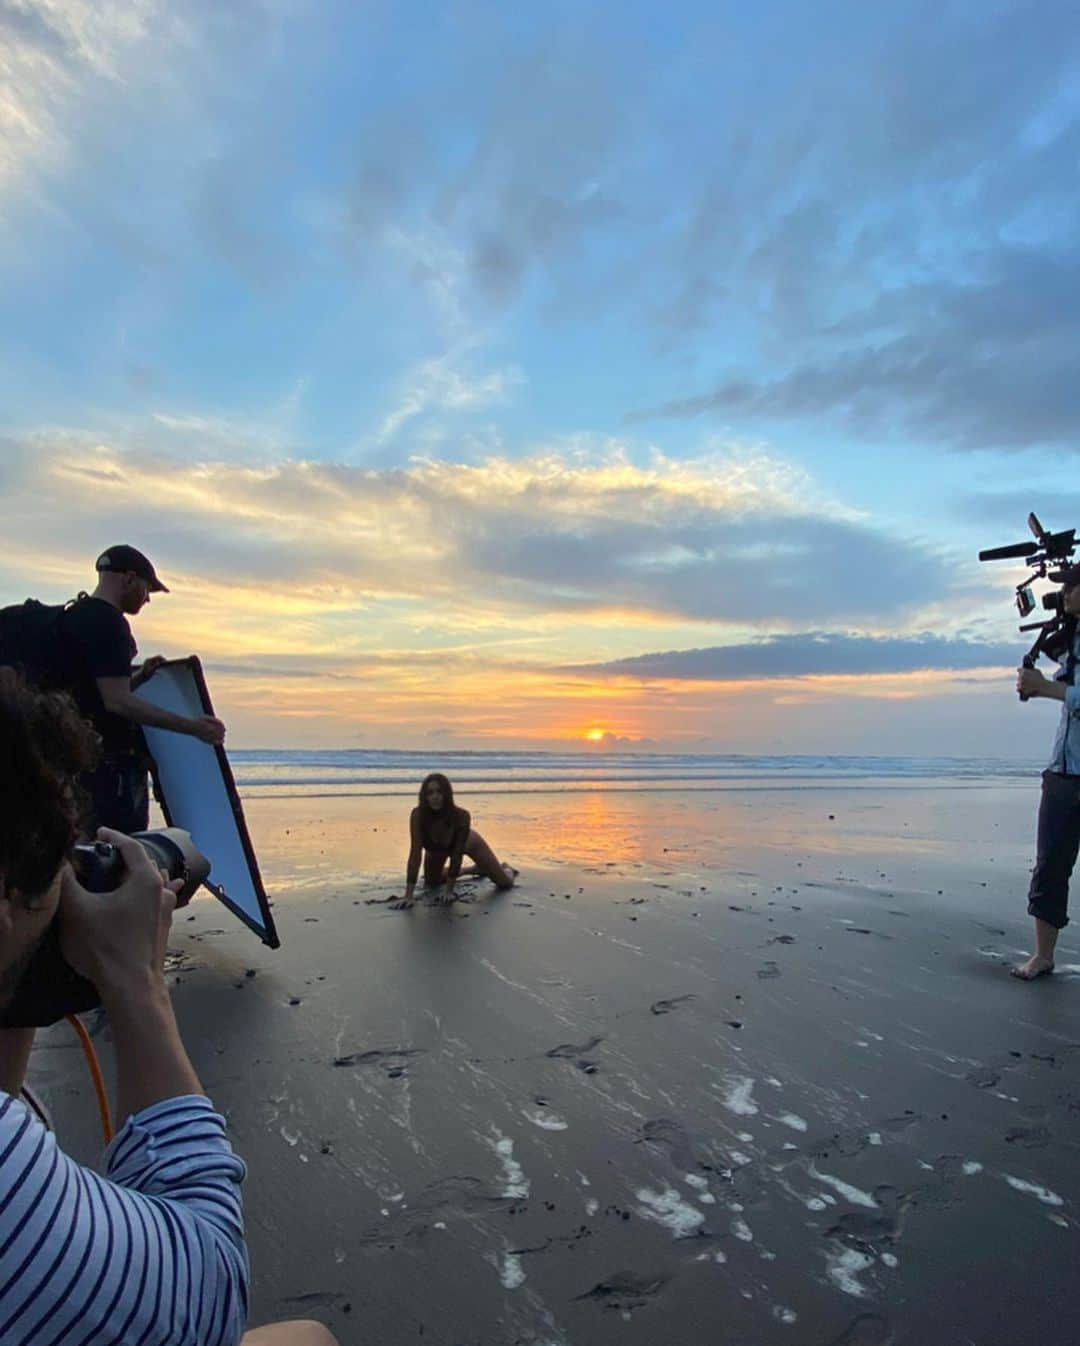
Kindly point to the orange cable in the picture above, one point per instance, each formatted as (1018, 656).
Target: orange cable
(95, 1075)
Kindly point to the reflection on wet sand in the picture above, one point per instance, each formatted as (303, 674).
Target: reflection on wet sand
(711, 1071)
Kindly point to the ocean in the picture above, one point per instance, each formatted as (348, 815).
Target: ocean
(277, 773)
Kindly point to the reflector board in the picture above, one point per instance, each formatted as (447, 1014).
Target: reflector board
(194, 785)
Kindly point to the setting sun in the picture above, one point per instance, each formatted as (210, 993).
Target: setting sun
(595, 735)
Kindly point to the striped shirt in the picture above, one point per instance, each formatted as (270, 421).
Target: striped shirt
(152, 1253)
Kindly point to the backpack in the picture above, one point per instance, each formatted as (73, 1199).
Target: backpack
(31, 640)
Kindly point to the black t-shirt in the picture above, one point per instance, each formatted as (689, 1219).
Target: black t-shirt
(97, 643)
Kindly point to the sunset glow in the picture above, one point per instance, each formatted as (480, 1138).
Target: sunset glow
(458, 422)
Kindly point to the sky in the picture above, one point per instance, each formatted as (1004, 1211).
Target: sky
(624, 375)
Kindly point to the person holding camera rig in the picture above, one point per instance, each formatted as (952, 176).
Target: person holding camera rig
(153, 1252)
(1058, 838)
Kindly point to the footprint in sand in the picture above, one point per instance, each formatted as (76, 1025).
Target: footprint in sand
(666, 1006)
(391, 1059)
(1030, 1137)
(868, 1329)
(567, 1051)
(626, 1290)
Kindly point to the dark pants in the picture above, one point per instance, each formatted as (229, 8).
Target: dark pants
(119, 795)
(1056, 848)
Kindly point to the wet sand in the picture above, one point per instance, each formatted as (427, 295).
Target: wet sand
(742, 1068)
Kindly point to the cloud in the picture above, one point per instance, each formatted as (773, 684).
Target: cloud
(507, 194)
(811, 654)
(989, 362)
(815, 214)
(888, 249)
(737, 537)
(442, 385)
(49, 50)
(610, 742)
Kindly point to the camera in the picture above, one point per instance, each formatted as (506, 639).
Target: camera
(49, 988)
(1049, 550)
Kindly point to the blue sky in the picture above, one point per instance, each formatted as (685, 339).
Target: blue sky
(543, 338)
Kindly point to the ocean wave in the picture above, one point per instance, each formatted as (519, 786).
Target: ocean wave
(357, 771)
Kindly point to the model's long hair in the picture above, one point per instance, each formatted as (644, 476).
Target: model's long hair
(449, 813)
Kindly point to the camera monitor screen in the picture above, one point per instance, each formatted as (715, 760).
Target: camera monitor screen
(195, 787)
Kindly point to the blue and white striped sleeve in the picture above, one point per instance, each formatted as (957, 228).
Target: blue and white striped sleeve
(152, 1253)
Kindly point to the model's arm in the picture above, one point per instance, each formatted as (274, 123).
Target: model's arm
(457, 851)
(412, 867)
(119, 699)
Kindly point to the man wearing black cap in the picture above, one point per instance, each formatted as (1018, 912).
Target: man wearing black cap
(1059, 809)
(99, 654)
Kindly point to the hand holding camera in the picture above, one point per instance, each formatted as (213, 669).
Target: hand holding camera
(113, 921)
(117, 939)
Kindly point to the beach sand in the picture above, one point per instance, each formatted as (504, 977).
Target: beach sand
(740, 1066)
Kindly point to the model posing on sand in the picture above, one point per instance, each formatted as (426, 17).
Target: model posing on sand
(443, 833)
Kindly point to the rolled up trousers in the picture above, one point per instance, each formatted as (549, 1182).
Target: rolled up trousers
(1056, 848)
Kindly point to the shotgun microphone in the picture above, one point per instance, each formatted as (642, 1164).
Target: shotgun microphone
(1024, 549)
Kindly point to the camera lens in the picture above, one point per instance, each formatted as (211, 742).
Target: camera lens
(172, 849)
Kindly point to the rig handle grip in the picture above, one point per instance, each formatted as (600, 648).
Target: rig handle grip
(1028, 662)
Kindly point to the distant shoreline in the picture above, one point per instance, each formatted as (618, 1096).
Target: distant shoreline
(267, 790)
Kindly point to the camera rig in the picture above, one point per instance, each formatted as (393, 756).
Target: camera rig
(1050, 556)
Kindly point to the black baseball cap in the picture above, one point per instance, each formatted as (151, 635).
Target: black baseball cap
(123, 558)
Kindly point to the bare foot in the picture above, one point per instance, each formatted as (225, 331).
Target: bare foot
(1035, 966)
(510, 872)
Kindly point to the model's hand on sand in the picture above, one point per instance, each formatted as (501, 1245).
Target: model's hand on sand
(401, 903)
(1031, 682)
(446, 897)
(118, 939)
(208, 729)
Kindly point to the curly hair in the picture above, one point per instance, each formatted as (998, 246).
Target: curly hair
(44, 745)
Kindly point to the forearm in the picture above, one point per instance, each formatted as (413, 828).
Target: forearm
(131, 707)
(453, 867)
(151, 1061)
(15, 1045)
